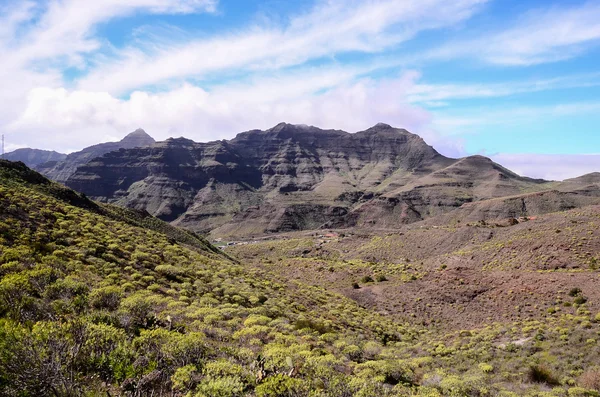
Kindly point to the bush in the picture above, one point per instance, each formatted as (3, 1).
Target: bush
(367, 279)
(185, 378)
(65, 288)
(172, 273)
(107, 298)
(542, 374)
(575, 291)
(590, 379)
(220, 387)
(279, 386)
(380, 278)
(391, 372)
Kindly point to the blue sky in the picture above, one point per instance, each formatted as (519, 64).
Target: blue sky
(518, 81)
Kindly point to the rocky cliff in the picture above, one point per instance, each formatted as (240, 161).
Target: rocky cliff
(294, 177)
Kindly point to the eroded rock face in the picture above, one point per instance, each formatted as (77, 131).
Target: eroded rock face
(294, 177)
(61, 170)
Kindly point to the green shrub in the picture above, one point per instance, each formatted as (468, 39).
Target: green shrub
(279, 385)
(575, 291)
(107, 298)
(220, 387)
(185, 378)
(170, 272)
(367, 279)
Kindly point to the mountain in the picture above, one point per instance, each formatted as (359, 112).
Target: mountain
(34, 157)
(297, 177)
(61, 170)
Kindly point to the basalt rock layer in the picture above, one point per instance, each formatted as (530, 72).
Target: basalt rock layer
(296, 177)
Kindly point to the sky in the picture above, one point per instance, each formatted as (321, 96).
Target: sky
(515, 80)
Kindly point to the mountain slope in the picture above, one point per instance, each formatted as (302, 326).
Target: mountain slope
(459, 275)
(61, 170)
(97, 303)
(105, 302)
(34, 157)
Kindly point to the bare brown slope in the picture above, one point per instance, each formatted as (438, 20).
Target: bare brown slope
(465, 181)
(459, 276)
(561, 196)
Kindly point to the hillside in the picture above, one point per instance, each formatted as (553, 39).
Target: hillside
(459, 275)
(34, 157)
(61, 169)
(296, 177)
(92, 304)
(97, 300)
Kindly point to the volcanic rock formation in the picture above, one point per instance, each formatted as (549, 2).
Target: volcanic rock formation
(61, 170)
(295, 177)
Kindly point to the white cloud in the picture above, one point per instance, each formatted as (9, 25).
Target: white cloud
(424, 92)
(64, 28)
(38, 40)
(331, 28)
(550, 166)
(541, 36)
(330, 98)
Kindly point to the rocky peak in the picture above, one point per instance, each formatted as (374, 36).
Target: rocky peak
(388, 130)
(287, 130)
(60, 171)
(381, 126)
(137, 138)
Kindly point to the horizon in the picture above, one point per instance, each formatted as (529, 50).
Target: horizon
(514, 81)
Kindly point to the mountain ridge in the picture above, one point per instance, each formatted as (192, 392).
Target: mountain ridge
(296, 177)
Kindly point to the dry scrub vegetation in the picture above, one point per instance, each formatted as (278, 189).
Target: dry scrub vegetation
(99, 301)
